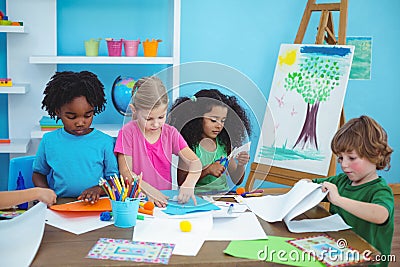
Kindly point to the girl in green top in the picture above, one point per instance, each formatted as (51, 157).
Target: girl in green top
(359, 195)
(212, 124)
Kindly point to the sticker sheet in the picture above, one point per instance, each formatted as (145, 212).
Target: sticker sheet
(127, 250)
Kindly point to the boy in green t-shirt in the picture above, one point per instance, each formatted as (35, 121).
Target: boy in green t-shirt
(361, 197)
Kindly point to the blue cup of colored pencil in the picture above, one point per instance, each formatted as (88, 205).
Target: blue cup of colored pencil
(125, 212)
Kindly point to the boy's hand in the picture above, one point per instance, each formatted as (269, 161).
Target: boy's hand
(185, 193)
(91, 195)
(46, 196)
(243, 158)
(215, 169)
(333, 194)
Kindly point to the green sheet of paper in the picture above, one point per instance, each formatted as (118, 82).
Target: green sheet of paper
(274, 249)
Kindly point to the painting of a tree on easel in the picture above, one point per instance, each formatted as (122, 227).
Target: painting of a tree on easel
(304, 106)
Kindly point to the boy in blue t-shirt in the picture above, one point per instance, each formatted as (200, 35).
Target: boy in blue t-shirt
(75, 156)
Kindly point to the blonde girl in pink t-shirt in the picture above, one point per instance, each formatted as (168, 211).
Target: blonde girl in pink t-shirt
(146, 144)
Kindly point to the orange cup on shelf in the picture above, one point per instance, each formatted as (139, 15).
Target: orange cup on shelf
(150, 47)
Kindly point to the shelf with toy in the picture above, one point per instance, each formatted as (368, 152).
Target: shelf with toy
(99, 60)
(21, 88)
(15, 146)
(110, 129)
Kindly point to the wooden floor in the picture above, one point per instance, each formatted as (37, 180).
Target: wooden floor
(396, 236)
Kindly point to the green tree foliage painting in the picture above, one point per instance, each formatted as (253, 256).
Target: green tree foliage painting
(314, 81)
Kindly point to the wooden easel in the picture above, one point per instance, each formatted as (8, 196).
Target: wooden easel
(325, 33)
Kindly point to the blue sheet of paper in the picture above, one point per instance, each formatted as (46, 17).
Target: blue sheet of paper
(175, 208)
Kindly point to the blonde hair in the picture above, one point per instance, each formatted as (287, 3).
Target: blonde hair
(367, 138)
(149, 93)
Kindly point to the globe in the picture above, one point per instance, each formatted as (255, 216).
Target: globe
(121, 94)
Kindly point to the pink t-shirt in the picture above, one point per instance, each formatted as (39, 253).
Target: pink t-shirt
(154, 160)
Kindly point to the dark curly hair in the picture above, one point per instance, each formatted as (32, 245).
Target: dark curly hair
(186, 115)
(65, 86)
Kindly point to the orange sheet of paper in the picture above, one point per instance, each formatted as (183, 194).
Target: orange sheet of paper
(103, 204)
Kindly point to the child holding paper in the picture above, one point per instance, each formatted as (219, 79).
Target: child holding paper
(76, 155)
(146, 144)
(212, 123)
(359, 195)
(16, 197)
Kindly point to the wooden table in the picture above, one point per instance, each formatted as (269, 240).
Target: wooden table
(61, 248)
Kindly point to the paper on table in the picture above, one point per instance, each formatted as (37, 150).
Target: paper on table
(244, 227)
(76, 222)
(301, 198)
(21, 237)
(275, 249)
(168, 231)
(103, 204)
(330, 223)
(175, 208)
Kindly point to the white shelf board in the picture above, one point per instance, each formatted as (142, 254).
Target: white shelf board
(110, 129)
(18, 88)
(16, 146)
(16, 29)
(98, 60)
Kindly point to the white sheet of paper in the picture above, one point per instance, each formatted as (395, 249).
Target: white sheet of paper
(330, 223)
(75, 222)
(167, 230)
(266, 207)
(244, 227)
(243, 148)
(301, 198)
(21, 236)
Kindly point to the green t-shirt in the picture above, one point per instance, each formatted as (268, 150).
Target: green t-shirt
(376, 191)
(211, 183)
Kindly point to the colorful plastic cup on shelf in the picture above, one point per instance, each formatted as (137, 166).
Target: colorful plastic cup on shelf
(92, 47)
(131, 47)
(114, 47)
(125, 212)
(150, 47)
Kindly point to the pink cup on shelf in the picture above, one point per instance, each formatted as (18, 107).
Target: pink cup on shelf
(114, 47)
(131, 47)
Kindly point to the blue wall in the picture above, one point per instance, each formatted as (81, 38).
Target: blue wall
(243, 36)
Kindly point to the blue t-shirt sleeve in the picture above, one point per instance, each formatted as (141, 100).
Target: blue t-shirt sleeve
(110, 160)
(40, 164)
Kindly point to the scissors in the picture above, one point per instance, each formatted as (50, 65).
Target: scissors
(224, 161)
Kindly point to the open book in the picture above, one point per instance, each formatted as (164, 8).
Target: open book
(302, 197)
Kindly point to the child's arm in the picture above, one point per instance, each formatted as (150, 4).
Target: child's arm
(40, 180)
(186, 190)
(214, 169)
(11, 198)
(236, 170)
(370, 212)
(125, 167)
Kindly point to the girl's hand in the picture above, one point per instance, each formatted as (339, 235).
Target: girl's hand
(46, 196)
(243, 158)
(160, 200)
(333, 195)
(185, 193)
(91, 195)
(215, 169)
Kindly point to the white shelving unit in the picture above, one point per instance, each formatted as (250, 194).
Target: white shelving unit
(15, 29)
(110, 129)
(99, 60)
(15, 89)
(32, 59)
